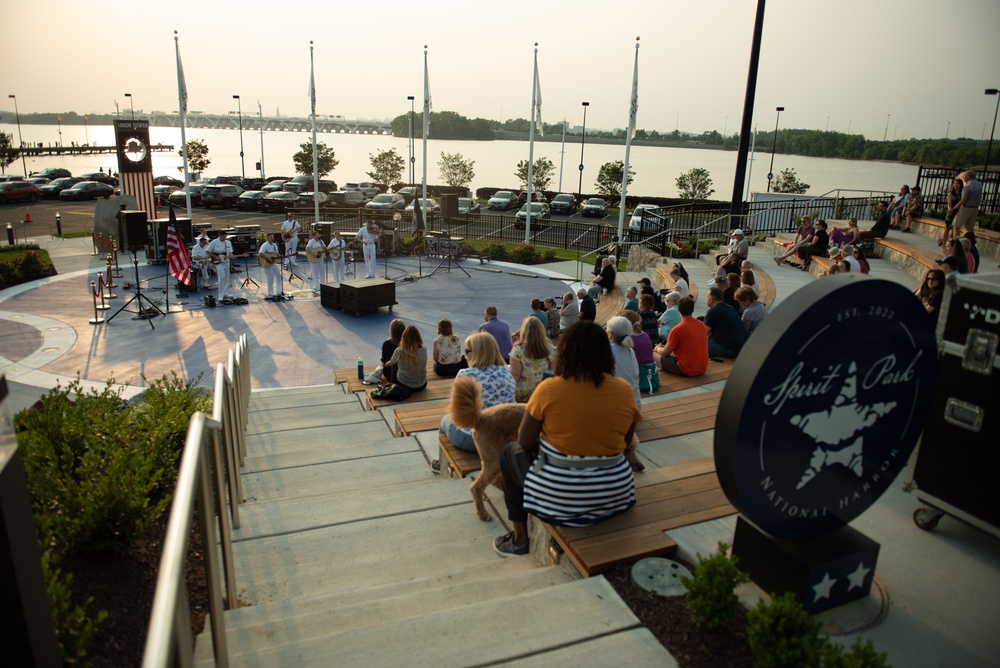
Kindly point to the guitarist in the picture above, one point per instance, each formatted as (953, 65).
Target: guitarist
(337, 248)
(270, 252)
(368, 236)
(221, 251)
(290, 234)
(315, 250)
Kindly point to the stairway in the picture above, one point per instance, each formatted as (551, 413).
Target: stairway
(350, 552)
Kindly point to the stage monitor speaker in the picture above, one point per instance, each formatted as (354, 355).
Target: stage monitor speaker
(449, 206)
(243, 243)
(134, 227)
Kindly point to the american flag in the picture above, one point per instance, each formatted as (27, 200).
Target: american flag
(140, 186)
(177, 257)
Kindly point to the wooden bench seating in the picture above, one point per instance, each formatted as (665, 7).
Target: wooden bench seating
(716, 371)
(676, 417)
(767, 289)
(666, 498)
(460, 463)
(611, 304)
(423, 416)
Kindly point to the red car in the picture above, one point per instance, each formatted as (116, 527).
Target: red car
(13, 191)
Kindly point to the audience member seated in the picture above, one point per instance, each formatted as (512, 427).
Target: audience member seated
(881, 227)
(539, 312)
(619, 331)
(680, 283)
(552, 318)
(498, 329)
(646, 288)
(726, 333)
(686, 351)
(604, 281)
(577, 425)
(913, 209)
(802, 237)
(956, 249)
(569, 312)
(446, 351)
(530, 358)
(843, 236)
(486, 367)
(408, 364)
(588, 309)
(650, 318)
(389, 346)
(851, 260)
(818, 245)
(931, 292)
(862, 260)
(632, 299)
(748, 279)
(753, 311)
(970, 258)
(669, 319)
(895, 208)
(739, 247)
(642, 346)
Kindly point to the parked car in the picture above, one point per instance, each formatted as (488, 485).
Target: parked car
(249, 200)
(536, 196)
(231, 180)
(636, 222)
(468, 205)
(53, 173)
(221, 195)
(87, 190)
(163, 193)
(595, 206)
(37, 180)
(100, 177)
(179, 197)
(11, 177)
(167, 181)
(563, 203)
(14, 191)
(387, 201)
(409, 193)
(302, 183)
(279, 201)
(273, 186)
(306, 199)
(539, 210)
(348, 199)
(52, 190)
(250, 183)
(502, 200)
(367, 187)
(428, 205)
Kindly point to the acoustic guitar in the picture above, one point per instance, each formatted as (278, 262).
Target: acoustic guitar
(219, 259)
(314, 254)
(288, 234)
(266, 260)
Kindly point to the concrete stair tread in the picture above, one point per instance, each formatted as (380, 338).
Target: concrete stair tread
(318, 395)
(545, 620)
(334, 450)
(377, 470)
(302, 621)
(366, 426)
(303, 417)
(635, 648)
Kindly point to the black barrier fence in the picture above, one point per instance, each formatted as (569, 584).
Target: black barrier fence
(935, 182)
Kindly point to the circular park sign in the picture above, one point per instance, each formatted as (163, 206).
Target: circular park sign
(825, 404)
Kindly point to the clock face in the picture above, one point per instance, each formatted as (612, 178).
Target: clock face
(135, 150)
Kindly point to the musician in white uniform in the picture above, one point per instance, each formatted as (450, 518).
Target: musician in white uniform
(270, 251)
(338, 249)
(221, 252)
(290, 233)
(201, 260)
(368, 237)
(316, 251)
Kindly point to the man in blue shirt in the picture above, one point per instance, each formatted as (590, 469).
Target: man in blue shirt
(726, 333)
(498, 329)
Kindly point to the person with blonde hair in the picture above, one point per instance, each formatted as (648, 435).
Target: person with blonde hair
(486, 367)
(619, 331)
(530, 358)
(408, 365)
(446, 351)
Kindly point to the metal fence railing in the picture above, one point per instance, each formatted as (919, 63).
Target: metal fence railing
(935, 182)
(209, 480)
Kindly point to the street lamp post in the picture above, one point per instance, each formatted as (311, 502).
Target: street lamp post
(129, 96)
(989, 147)
(20, 141)
(239, 111)
(885, 134)
(260, 121)
(413, 158)
(774, 141)
(583, 141)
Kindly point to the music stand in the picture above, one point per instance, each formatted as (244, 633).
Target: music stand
(246, 268)
(449, 253)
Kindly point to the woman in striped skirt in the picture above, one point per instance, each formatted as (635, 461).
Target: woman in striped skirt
(568, 467)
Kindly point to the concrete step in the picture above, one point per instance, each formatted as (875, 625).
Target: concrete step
(392, 461)
(540, 621)
(339, 447)
(298, 396)
(636, 648)
(365, 426)
(250, 631)
(271, 420)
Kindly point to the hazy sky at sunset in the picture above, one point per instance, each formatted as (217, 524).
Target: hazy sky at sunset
(854, 62)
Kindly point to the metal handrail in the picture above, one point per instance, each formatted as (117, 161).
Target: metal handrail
(201, 479)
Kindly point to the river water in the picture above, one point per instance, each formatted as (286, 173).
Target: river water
(655, 167)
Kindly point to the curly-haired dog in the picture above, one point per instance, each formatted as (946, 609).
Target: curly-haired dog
(493, 428)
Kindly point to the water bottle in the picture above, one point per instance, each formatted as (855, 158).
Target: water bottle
(361, 369)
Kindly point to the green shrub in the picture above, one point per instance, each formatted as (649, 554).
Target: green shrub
(783, 635)
(32, 268)
(495, 250)
(548, 254)
(525, 254)
(860, 655)
(710, 596)
(989, 221)
(74, 627)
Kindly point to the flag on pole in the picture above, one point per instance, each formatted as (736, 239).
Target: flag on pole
(418, 218)
(177, 257)
(428, 104)
(182, 88)
(538, 102)
(634, 105)
(312, 84)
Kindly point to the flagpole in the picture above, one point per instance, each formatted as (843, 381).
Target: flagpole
(753, 151)
(312, 96)
(562, 154)
(633, 110)
(531, 150)
(427, 119)
(260, 122)
(182, 105)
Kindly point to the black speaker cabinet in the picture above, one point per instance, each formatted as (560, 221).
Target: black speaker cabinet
(134, 226)
(449, 206)
(329, 295)
(156, 229)
(367, 294)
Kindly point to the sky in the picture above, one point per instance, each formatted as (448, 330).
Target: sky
(904, 68)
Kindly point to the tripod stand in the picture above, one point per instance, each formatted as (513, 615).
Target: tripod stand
(148, 313)
(248, 280)
(449, 252)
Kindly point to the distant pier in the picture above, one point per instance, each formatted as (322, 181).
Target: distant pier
(84, 150)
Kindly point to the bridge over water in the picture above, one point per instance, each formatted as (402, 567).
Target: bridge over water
(326, 124)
